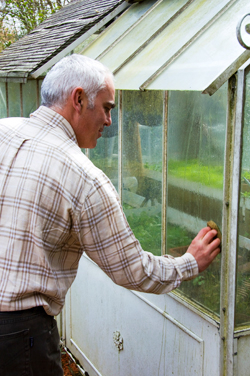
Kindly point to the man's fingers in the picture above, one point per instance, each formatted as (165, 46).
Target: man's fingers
(206, 234)
(202, 233)
(215, 245)
(210, 235)
(205, 247)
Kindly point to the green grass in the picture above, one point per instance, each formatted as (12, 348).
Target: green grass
(193, 170)
(147, 229)
(209, 175)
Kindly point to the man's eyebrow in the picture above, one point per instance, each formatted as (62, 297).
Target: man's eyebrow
(111, 104)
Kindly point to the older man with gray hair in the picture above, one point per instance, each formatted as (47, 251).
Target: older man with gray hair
(55, 205)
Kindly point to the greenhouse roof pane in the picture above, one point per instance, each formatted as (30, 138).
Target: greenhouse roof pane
(211, 59)
(175, 45)
(118, 28)
(140, 35)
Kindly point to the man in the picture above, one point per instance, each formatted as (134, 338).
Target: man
(55, 205)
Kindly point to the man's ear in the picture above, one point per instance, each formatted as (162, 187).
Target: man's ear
(78, 99)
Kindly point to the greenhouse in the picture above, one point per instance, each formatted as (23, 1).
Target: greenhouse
(178, 154)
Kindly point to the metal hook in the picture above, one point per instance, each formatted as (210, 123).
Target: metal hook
(243, 32)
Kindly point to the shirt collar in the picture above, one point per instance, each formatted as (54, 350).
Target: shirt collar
(52, 118)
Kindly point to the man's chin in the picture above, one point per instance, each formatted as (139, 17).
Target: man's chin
(92, 145)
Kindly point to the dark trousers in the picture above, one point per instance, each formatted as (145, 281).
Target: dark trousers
(29, 344)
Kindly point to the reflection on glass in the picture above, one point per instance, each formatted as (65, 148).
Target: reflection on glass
(242, 316)
(105, 154)
(142, 118)
(3, 105)
(29, 97)
(14, 99)
(196, 141)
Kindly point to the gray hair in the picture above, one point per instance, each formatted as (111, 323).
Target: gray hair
(71, 72)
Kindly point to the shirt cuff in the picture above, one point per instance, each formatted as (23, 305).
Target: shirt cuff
(187, 266)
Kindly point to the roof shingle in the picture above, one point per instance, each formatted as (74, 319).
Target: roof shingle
(53, 36)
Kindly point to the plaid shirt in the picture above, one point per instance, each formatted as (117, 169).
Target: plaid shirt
(55, 205)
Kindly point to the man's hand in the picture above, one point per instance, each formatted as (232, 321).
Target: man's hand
(205, 247)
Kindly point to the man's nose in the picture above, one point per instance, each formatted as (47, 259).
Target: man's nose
(109, 121)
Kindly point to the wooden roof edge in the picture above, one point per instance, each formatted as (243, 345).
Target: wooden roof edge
(16, 76)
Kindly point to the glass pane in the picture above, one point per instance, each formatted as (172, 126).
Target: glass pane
(142, 32)
(243, 263)
(3, 104)
(105, 154)
(14, 99)
(118, 28)
(142, 165)
(196, 141)
(206, 60)
(196, 61)
(29, 97)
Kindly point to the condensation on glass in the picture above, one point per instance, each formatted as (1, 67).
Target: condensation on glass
(105, 154)
(196, 130)
(142, 126)
(196, 143)
(242, 314)
(141, 191)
